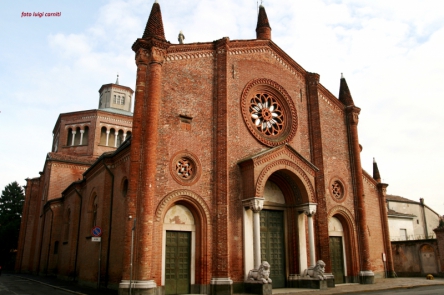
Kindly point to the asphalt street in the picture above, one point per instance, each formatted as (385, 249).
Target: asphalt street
(432, 290)
(12, 285)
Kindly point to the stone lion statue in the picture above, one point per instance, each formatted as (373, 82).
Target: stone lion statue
(316, 272)
(261, 275)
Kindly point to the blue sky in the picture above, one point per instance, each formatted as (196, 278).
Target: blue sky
(389, 51)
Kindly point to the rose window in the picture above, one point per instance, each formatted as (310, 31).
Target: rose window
(337, 190)
(266, 114)
(184, 168)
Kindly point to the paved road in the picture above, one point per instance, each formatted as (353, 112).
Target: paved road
(432, 290)
(12, 285)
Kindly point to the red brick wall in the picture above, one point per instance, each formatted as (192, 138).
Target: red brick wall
(440, 241)
(374, 226)
(61, 176)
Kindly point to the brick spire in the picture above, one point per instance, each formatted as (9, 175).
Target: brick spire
(154, 26)
(344, 93)
(263, 29)
(376, 175)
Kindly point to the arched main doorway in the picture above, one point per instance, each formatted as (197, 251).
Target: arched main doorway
(283, 242)
(179, 249)
(337, 253)
(273, 248)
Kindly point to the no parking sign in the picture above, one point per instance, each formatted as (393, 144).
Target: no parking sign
(96, 232)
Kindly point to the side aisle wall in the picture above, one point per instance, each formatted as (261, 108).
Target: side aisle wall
(375, 227)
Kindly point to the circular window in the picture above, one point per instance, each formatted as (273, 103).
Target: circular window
(337, 190)
(185, 168)
(269, 112)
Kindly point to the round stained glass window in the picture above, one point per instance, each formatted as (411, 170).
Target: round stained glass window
(269, 112)
(185, 168)
(337, 190)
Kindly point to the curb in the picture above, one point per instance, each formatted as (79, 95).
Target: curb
(385, 289)
(55, 287)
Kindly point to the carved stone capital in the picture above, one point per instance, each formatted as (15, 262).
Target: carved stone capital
(308, 209)
(255, 204)
(157, 55)
(148, 53)
(382, 187)
(353, 114)
(142, 57)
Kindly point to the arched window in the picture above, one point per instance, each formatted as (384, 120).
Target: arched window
(112, 138)
(120, 138)
(67, 226)
(69, 139)
(85, 136)
(77, 136)
(103, 136)
(95, 209)
(128, 134)
(125, 188)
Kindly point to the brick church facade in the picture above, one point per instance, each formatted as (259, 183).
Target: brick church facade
(234, 155)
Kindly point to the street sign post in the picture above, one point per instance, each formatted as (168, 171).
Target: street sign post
(96, 233)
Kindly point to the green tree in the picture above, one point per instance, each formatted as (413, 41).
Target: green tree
(11, 206)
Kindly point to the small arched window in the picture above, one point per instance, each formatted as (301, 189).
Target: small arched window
(85, 136)
(95, 209)
(77, 136)
(103, 136)
(120, 138)
(112, 138)
(67, 225)
(69, 138)
(125, 188)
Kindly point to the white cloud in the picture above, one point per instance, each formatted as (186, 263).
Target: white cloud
(389, 51)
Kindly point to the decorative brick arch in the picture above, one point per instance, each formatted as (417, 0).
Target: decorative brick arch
(347, 220)
(307, 191)
(201, 213)
(186, 197)
(345, 214)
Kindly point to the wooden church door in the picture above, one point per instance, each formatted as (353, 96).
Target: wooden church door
(178, 262)
(272, 245)
(337, 259)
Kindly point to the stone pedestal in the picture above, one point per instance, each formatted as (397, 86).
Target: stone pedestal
(258, 288)
(221, 286)
(366, 277)
(295, 281)
(138, 287)
(330, 280)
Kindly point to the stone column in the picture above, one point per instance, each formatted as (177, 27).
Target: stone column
(366, 275)
(382, 191)
(256, 205)
(107, 137)
(124, 136)
(115, 138)
(309, 210)
(73, 137)
(81, 136)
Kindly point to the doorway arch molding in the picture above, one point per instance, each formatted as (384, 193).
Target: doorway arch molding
(203, 228)
(347, 220)
(188, 197)
(307, 191)
(256, 170)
